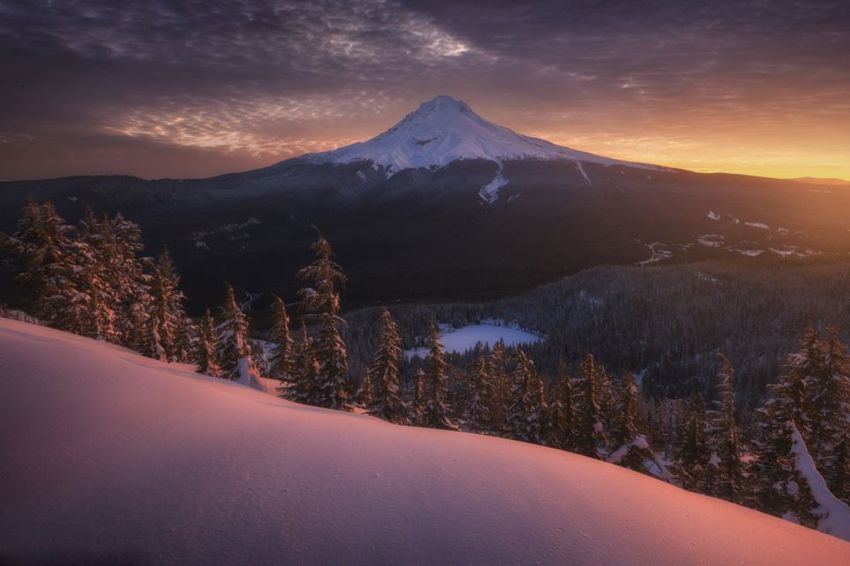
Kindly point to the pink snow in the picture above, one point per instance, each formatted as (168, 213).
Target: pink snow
(111, 456)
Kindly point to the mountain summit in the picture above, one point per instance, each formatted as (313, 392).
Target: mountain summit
(445, 129)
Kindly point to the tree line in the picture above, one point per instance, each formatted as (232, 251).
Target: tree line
(91, 279)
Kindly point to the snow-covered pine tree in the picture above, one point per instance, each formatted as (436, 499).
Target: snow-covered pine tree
(502, 385)
(386, 400)
(828, 406)
(630, 446)
(49, 267)
(206, 352)
(166, 310)
(102, 308)
(479, 408)
(235, 353)
(773, 473)
(420, 400)
(321, 303)
(590, 434)
(562, 410)
(436, 413)
(280, 335)
(301, 387)
(363, 396)
(692, 453)
(527, 410)
(127, 271)
(722, 433)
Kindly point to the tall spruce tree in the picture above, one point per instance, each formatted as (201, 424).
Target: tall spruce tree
(479, 409)
(692, 453)
(723, 437)
(386, 399)
(420, 398)
(631, 447)
(235, 352)
(282, 359)
(591, 437)
(436, 412)
(527, 409)
(562, 411)
(207, 347)
(166, 314)
(321, 304)
(301, 387)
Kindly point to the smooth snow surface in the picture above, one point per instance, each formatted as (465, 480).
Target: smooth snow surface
(444, 130)
(460, 340)
(109, 457)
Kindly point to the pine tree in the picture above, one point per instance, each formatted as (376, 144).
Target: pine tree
(590, 428)
(303, 383)
(235, 353)
(97, 286)
(420, 400)
(207, 347)
(501, 382)
(723, 435)
(50, 265)
(631, 445)
(436, 412)
(321, 302)
(527, 409)
(281, 364)
(166, 311)
(828, 405)
(692, 453)
(122, 241)
(479, 409)
(562, 413)
(386, 401)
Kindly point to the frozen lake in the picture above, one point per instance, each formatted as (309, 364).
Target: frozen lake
(460, 340)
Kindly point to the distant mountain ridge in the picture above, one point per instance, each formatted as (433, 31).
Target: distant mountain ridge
(448, 206)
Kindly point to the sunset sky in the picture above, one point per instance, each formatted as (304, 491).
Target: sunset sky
(194, 88)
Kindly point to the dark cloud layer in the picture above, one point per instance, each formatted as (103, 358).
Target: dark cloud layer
(194, 87)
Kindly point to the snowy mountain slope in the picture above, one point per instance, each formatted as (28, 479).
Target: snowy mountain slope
(112, 457)
(443, 130)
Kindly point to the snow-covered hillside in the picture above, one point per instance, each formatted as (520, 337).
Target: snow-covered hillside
(443, 130)
(111, 457)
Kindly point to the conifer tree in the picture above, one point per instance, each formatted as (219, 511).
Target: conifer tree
(436, 413)
(235, 353)
(479, 409)
(207, 347)
(97, 285)
(692, 453)
(303, 383)
(527, 410)
(280, 335)
(420, 400)
(723, 435)
(502, 385)
(321, 303)
(166, 311)
(122, 241)
(828, 407)
(49, 267)
(590, 428)
(386, 400)
(562, 410)
(631, 447)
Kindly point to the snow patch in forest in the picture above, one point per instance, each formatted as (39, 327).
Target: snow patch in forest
(464, 339)
(489, 193)
(659, 251)
(235, 231)
(711, 240)
(759, 225)
(712, 215)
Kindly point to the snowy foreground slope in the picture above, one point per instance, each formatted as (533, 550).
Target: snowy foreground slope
(109, 456)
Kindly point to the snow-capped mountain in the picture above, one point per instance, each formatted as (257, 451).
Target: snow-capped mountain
(443, 130)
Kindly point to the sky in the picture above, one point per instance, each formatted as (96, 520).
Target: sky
(160, 88)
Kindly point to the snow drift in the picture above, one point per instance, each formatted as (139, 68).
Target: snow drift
(109, 456)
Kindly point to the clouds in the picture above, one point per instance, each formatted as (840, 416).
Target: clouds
(262, 80)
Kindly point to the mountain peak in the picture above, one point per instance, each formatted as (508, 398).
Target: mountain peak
(443, 130)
